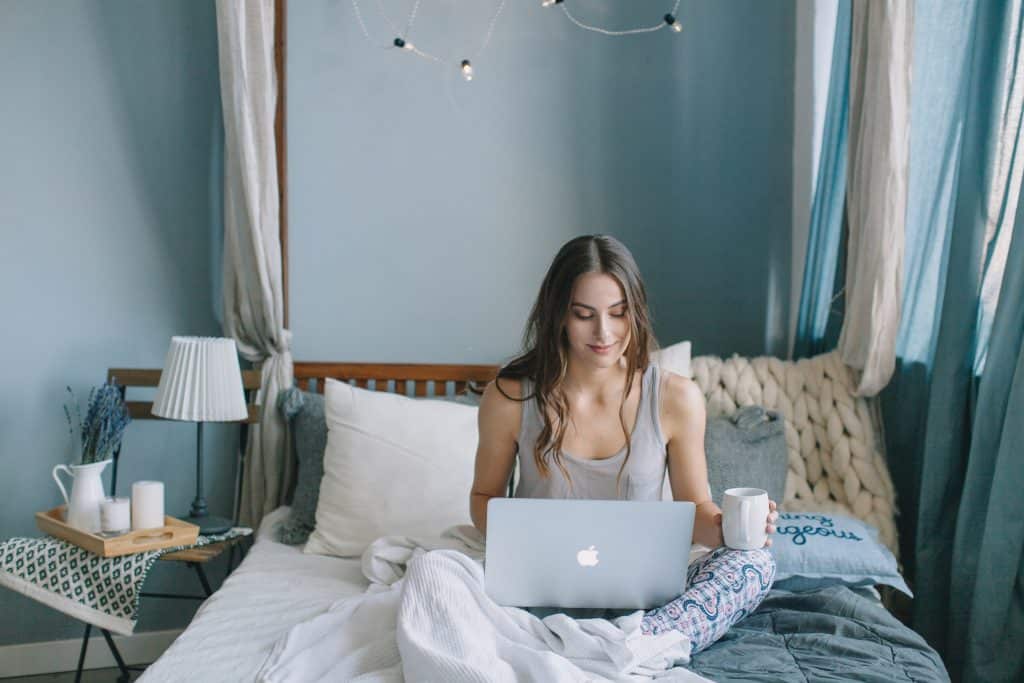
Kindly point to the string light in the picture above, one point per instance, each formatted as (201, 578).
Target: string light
(401, 41)
(673, 24)
(465, 66)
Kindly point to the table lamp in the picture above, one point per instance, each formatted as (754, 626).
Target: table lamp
(201, 382)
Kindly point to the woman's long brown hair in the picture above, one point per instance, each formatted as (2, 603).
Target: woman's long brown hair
(545, 357)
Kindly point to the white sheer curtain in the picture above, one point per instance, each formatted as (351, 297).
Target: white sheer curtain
(253, 297)
(881, 50)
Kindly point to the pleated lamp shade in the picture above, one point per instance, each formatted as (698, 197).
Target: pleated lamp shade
(201, 381)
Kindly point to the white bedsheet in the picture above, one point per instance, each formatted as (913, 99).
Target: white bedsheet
(276, 587)
(426, 617)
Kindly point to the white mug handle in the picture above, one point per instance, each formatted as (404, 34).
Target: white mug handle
(63, 468)
(745, 517)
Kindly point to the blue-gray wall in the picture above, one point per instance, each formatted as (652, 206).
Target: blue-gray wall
(108, 111)
(425, 210)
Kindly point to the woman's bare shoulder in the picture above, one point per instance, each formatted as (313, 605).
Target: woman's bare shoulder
(503, 395)
(682, 401)
(510, 391)
(502, 405)
(681, 388)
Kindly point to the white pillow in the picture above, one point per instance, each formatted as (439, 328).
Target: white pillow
(393, 465)
(675, 358)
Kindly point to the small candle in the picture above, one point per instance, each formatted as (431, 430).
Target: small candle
(115, 515)
(147, 504)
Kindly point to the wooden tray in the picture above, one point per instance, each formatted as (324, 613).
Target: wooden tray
(174, 533)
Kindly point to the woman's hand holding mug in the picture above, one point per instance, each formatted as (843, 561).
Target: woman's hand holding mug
(748, 518)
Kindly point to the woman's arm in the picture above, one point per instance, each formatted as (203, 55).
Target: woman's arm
(685, 420)
(498, 427)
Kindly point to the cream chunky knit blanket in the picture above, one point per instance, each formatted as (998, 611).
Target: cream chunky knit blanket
(835, 451)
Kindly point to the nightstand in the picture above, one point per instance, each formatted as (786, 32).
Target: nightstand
(194, 558)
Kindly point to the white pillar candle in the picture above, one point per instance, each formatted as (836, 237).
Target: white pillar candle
(115, 515)
(147, 504)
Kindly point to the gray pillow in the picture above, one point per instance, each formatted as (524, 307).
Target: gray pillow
(747, 448)
(305, 411)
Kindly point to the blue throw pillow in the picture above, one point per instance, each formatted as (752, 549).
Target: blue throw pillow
(818, 549)
(305, 411)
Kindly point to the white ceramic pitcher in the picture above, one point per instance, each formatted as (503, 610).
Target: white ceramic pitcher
(83, 511)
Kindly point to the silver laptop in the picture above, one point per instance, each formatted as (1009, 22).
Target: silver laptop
(612, 554)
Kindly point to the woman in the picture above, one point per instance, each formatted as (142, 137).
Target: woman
(583, 386)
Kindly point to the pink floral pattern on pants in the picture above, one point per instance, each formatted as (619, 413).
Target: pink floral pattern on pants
(721, 588)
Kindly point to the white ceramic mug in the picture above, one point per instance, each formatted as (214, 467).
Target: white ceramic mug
(745, 518)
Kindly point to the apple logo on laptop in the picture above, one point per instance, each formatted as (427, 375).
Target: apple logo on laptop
(587, 557)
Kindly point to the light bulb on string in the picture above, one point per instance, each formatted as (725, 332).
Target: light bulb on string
(465, 66)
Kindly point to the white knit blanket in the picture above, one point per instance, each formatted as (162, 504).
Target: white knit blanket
(426, 617)
(836, 460)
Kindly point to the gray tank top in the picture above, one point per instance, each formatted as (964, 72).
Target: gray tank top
(642, 477)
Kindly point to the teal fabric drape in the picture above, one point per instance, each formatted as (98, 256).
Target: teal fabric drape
(943, 47)
(986, 613)
(955, 440)
(829, 201)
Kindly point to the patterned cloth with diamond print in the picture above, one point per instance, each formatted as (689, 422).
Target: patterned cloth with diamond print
(102, 591)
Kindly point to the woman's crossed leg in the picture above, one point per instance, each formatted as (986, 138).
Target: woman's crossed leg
(721, 588)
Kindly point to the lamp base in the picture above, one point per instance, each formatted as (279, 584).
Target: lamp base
(209, 524)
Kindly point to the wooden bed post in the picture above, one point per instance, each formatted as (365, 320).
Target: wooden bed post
(280, 138)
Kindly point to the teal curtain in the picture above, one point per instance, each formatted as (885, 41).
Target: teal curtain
(954, 437)
(986, 612)
(825, 231)
(943, 48)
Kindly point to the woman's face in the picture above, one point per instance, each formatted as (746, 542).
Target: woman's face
(597, 324)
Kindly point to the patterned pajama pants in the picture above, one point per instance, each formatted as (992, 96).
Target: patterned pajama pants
(721, 588)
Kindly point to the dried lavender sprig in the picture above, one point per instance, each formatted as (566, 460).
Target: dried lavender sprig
(67, 416)
(78, 411)
(96, 418)
(105, 422)
(115, 419)
(90, 426)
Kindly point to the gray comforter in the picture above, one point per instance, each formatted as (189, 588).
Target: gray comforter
(830, 634)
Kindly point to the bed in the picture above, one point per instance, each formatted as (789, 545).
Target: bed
(823, 633)
(274, 588)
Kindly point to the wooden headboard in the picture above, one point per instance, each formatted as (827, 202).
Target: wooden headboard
(426, 379)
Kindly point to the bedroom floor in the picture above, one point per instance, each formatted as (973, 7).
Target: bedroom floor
(90, 676)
